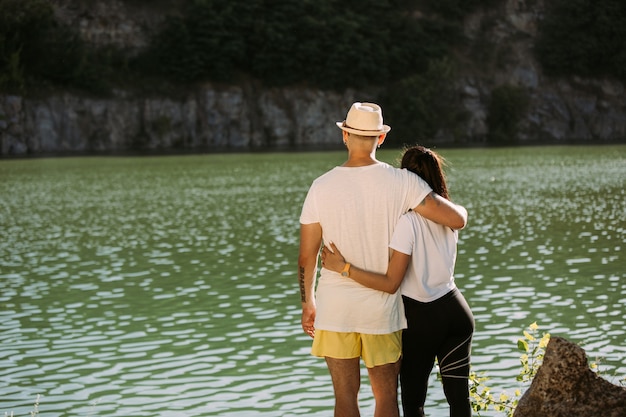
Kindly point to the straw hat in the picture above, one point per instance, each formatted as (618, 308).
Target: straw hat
(364, 119)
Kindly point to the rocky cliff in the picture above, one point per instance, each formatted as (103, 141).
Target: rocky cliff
(576, 109)
(248, 116)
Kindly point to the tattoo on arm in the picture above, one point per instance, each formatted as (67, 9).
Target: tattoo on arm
(302, 287)
(433, 196)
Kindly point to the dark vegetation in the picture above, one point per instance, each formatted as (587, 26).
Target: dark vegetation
(332, 44)
(585, 38)
(327, 44)
(507, 106)
(37, 52)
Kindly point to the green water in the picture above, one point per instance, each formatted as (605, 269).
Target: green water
(165, 286)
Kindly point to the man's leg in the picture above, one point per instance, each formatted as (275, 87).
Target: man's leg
(346, 376)
(384, 380)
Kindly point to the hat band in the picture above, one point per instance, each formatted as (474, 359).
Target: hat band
(361, 130)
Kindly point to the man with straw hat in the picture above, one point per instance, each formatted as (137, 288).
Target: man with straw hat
(356, 206)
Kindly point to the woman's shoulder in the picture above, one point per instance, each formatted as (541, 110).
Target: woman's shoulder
(408, 223)
(420, 222)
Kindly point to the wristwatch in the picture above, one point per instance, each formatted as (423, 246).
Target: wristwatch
(346, 270)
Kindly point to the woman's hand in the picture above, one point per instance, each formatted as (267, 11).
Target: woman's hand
(332, 259)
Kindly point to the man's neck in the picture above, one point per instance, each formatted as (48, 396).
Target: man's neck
(360, 160)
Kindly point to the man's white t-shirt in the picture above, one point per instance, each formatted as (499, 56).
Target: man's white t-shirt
(357, 208)
(432, 247)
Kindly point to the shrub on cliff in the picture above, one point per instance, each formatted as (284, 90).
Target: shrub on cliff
(23, 29)
(421, 106)
(583, 37)
(454, 9)
(36, 51)
(322, 43)
(506, 108)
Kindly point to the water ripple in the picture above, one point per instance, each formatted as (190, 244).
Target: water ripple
(166, 286)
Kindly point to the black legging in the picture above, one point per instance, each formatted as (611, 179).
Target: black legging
(443, 329)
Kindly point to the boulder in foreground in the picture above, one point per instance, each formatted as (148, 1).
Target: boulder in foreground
(565, 387)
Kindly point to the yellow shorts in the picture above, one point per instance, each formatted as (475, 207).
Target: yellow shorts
(375, 349)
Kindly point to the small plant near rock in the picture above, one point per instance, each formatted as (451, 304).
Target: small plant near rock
(533, 348)
(596, 366)
(33, 413)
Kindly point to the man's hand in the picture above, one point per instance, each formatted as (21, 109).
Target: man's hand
(308, 320)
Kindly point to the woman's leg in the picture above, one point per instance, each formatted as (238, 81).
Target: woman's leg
(418, 357)
(454, 354)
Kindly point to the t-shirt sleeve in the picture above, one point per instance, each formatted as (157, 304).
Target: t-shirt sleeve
(309, 213)
(403, 237)
(419, 187)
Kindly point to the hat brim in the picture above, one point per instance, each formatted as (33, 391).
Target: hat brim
(385, 129)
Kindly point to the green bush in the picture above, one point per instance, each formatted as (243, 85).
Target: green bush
(35, 51)
(327, 44)
(583, 37)
(455, 9)
(418, 106)
(24, 26)
(507, 107)
(205, 43)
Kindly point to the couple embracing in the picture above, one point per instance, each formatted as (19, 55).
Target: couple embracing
(386, 293)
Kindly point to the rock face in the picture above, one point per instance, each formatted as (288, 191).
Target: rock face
(226, 118)
(565, 387)
(249, 117)
(560, 110)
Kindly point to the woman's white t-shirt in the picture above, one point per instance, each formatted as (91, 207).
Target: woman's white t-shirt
(432, 247)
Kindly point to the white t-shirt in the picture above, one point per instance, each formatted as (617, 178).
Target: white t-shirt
(432, 247)
(357, 208)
